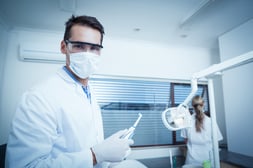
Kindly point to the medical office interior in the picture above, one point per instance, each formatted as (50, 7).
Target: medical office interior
(151, 49)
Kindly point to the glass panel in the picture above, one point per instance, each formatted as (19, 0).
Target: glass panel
(121, 100)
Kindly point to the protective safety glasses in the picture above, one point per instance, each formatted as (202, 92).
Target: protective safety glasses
(198, 104)
(78, 46)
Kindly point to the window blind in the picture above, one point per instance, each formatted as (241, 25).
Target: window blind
(122, 99)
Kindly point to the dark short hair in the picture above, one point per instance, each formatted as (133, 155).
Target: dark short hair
(85, 21)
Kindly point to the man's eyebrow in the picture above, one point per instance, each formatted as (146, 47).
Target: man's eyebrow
(81, 42)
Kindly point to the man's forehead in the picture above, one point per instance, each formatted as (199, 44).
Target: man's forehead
(85, 34)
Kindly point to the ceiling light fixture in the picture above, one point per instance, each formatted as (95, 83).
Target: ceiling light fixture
(137, 29)
(183, 35)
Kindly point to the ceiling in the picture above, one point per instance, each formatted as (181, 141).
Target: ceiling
(196, 23)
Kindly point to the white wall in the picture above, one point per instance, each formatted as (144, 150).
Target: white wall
(3, 45)
(237, 86)
(146, 59)
(120, 57)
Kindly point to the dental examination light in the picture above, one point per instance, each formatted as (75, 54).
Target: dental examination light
(177, 118)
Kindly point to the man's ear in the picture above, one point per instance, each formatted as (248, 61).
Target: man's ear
(63, 47)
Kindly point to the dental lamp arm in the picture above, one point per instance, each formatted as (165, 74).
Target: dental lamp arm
(194, 87)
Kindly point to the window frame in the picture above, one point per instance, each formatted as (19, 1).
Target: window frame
(171, 100)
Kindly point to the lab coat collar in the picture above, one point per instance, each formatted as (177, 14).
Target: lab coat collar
(68, 76)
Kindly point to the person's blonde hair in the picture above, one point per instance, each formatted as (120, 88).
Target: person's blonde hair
(198, 104)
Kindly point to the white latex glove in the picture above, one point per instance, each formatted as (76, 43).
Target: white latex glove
(113, 149)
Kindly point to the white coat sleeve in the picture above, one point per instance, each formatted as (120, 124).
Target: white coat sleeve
(32, 136)
(183, 133)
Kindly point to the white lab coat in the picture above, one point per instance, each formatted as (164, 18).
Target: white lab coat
(54, 126)
(199, 144)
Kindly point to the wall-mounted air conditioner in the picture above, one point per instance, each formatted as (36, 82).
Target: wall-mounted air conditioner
(33, 53)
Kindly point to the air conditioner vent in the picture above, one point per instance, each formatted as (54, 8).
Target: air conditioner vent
(35, 54)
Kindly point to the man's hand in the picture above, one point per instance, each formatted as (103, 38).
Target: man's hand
(113, 149)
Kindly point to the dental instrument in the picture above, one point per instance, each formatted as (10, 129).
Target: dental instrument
(171, 163)
(130, 131)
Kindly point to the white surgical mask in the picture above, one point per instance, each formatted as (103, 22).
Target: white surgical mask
(83, 64)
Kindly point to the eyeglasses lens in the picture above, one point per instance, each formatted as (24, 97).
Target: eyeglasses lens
(83, 47)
